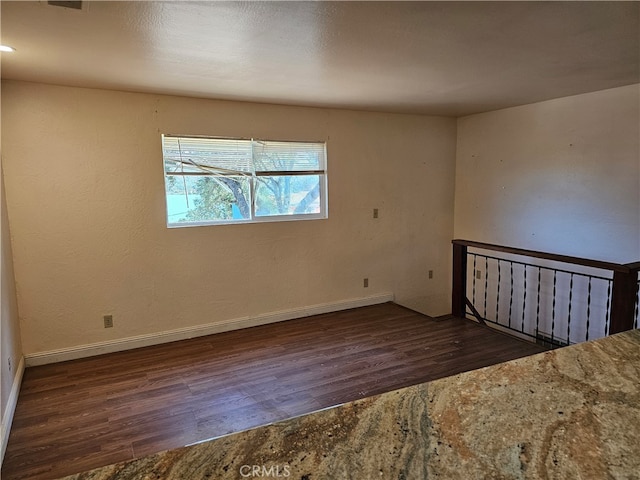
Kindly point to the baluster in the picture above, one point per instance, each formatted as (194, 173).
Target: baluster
(486, 284)
(498, 295)
(473, 295)
(538, 302)
(608, 311)
(524, 298)
(569, 313)
(588, 307)
(637, 319)
(553, 307)
(511, 292)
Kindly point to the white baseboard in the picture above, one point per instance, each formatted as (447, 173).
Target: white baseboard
(90, 350)
(10, 409)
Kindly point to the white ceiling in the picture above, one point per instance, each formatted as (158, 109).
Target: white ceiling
(445, 58)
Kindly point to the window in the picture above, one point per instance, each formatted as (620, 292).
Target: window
(228, 180)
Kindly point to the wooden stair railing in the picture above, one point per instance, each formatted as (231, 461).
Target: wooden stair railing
(621, 284)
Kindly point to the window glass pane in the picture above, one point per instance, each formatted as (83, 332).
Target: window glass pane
(207, 198)
(287, 195)
(180, 197)
(288, 156)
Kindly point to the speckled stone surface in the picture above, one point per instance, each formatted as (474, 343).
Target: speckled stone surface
(573, 413)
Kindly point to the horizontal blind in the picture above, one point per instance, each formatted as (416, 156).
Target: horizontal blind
(270, 156)
(213, 155)
(228, 156)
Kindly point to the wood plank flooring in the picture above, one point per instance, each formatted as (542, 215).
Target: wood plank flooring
(78, 415)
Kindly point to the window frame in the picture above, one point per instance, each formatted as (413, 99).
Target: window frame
(322, 174)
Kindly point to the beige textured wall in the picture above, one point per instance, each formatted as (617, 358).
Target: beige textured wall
(85, 198)
(10, 341)
(560, 176)
(11, 344)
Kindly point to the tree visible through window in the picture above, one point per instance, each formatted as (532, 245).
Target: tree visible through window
(221, 180)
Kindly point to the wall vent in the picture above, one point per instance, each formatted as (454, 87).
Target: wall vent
(74, 5)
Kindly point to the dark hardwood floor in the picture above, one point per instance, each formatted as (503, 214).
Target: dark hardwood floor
(87, 413)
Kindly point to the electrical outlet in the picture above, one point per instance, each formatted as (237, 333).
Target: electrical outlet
(430, 273)
(10, 366)
(108, 321)
(375, 213)
(366, 283)
(478, 274)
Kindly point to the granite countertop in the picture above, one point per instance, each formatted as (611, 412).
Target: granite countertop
(565, 414)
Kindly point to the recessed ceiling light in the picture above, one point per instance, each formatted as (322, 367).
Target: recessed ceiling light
(6, 48)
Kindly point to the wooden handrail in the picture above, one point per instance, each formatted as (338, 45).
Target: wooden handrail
(623, 287)
(633, 266)
(587, 262)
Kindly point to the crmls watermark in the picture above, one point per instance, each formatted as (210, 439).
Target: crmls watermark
(272, 471)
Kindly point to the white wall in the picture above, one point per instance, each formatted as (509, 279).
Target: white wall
(561, 176)
(85, 197)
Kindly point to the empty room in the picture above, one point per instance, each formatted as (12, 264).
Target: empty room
(319, 240)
